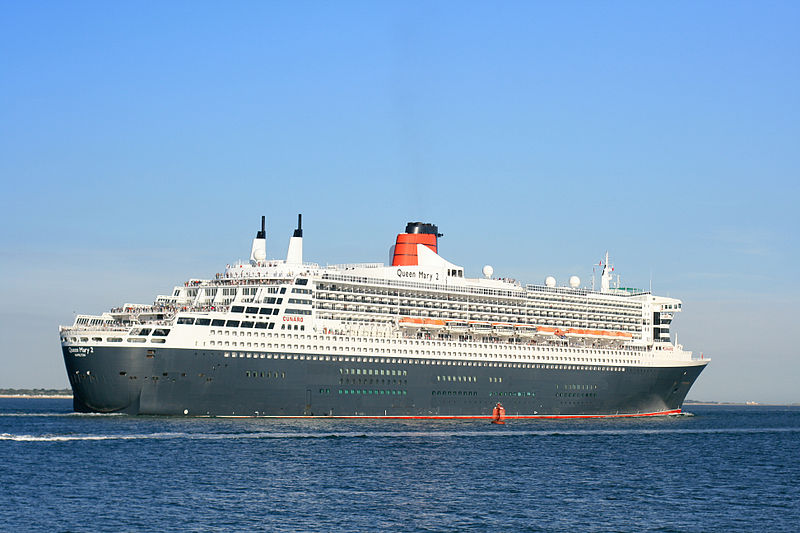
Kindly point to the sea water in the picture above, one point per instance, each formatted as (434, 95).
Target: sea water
(719, 469)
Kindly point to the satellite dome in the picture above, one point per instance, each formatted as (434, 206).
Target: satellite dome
(574, 282)
(259, 254)
(550, 281)
(488, 271)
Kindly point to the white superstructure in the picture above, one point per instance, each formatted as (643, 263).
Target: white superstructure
(422, 306)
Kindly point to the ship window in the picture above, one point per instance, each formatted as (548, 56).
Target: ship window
(266, 311)
(160, 332)
(202, 322)
(261, 325)
(237, 309)
(185, 320)
(252, 310)
(232, 323)
(217, 322)
(246, 324)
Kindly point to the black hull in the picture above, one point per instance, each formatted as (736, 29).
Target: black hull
(205, 383)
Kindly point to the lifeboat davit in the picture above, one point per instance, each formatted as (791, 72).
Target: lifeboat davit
(499, 414)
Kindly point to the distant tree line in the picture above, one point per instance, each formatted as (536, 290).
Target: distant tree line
(38, 392)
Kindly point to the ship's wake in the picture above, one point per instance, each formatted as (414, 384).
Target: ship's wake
(378, 435)
(70, 414)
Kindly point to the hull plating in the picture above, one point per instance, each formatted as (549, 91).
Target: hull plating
(205, 383)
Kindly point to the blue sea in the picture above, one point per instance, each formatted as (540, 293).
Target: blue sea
(718, 469)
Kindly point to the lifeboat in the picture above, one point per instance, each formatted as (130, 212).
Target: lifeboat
(457, 325)
(481, 327)
(432, 323)
(427, 323)
(545, 331)
(503, 330)
(525, 331)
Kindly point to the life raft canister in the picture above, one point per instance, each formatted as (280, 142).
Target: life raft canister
(499, 414)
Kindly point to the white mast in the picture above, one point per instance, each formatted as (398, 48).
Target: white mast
(259, 250)
(605, 277)
(294, 255)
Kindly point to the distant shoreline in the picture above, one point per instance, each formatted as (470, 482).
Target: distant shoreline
(34, 396)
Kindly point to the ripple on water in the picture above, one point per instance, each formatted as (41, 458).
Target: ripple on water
(720, 470)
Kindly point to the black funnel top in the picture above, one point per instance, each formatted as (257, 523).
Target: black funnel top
(263, 233)
(423, 227)
(299, 231)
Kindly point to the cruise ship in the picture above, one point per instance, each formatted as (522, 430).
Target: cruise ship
(412, 339)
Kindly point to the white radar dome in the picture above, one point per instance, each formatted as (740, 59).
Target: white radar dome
(488, 271)
(574, 282)
(260, 254)
(550, 281)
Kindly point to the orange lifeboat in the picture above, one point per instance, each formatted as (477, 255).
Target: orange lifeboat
(499, 414)
(545, 330)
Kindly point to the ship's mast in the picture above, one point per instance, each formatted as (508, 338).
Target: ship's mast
(605, 277)
(295, 253)
(259, 250)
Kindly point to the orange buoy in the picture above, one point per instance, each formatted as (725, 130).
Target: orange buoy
(499, 414)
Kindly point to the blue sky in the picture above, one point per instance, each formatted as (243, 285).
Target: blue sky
(141, 142)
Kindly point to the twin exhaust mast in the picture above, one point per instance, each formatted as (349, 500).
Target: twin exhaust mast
(404, 252)
(294, 255)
